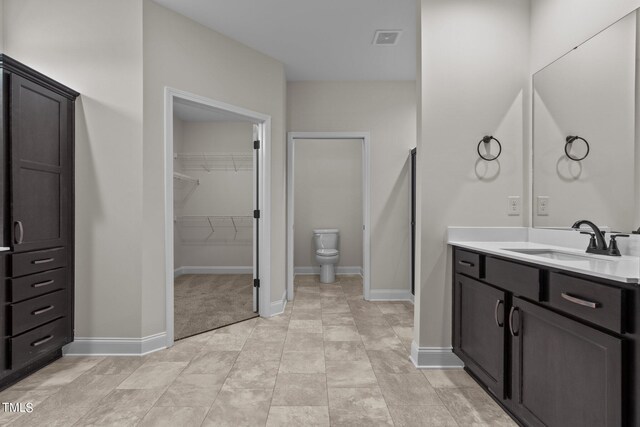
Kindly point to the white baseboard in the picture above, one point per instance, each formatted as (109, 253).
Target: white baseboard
(308, 271)
(212, 270)
(434, 357)
(277, 307)
(390, 295)
(116, 346)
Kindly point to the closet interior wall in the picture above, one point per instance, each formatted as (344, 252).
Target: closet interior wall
(213, 199)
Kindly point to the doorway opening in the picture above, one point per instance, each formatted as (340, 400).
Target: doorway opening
(217, 228)
(300, 242)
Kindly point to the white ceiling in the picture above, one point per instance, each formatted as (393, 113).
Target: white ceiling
(316, 39)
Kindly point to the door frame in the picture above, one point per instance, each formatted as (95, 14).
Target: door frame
(366, 201)
(264, 165)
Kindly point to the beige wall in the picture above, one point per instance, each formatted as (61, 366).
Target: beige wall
(95, 47)
(473, 83)
(328, 194)
(388, 111)
(221, 192)
(182, 54)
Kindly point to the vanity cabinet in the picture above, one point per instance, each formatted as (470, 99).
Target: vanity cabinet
(479, 331)
(552, 348)
(36, 186)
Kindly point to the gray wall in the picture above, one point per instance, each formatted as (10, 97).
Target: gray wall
(328, 194)
(473, 83)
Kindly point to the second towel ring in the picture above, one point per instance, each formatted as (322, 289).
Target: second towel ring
(570, 139)
(487, 139)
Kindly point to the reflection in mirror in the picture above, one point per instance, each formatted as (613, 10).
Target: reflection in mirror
(585, 160)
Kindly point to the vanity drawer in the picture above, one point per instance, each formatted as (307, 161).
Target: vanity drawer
(469, 263)
(593, 302)
(34, 312)
(521, 280)
(37, 261)
(29, 346)
(37, 284)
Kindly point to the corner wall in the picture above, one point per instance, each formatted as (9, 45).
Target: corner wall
(184, 55)
(473, 82)
(388, 111)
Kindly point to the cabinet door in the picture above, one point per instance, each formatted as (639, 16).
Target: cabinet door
(479, 331)
(40, 169)
(564, 373)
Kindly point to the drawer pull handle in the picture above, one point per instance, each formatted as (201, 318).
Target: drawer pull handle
(42, 310)
(42, 341)
(466, 263)
(41, 284)
(42, 261)
(498, 304)
(514, 333)
(580, 301)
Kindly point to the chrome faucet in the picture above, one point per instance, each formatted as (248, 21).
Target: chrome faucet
(597, 244)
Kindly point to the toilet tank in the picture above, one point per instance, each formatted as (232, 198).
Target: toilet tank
(326, 238)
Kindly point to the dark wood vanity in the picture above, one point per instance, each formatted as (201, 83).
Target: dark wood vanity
(37, 215)
(553, 348)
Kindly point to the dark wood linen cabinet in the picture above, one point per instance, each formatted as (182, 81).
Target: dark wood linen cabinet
(37, 190)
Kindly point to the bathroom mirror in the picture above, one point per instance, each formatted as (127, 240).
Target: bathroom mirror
(585, 149)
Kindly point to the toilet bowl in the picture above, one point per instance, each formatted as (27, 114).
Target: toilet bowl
(327, 254)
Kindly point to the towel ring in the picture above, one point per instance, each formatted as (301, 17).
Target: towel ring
(487, 139)
(570, 139)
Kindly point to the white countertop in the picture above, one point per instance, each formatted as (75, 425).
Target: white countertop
(3, 249)
(620, 269)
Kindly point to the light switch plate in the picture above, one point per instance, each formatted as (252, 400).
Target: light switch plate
(513, 208)
(542, 203)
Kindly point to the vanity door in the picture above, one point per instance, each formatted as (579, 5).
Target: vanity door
(479, 333)
(564, 373)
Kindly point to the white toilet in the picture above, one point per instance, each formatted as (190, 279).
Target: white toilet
(327, 254)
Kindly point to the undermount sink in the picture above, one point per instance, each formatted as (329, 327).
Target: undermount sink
(556, 255)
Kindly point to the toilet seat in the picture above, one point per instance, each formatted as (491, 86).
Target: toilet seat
(327, 252)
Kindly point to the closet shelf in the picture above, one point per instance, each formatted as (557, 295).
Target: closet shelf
(215, 221)
(182, 177)
(216, 161)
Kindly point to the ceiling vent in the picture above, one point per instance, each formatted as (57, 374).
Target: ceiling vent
(386, 37)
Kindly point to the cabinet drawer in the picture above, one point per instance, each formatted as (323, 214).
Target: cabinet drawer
(37, 284)
(34, 312)
(29, 346)
(594, 302)
(469, 263)
(37, 261)
(520, 279)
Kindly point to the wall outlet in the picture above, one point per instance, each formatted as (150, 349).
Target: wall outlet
(513, 209)
(543, 205)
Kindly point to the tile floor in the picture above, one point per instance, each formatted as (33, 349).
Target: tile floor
(203, 302)
(331, 359)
